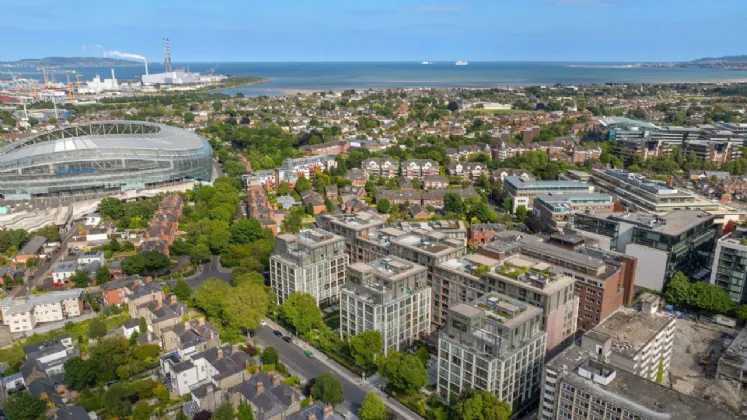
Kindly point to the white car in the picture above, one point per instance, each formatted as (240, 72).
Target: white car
(263, 322)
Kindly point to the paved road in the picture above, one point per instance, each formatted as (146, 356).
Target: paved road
(44, 267)
(355, 390)
(208, 270)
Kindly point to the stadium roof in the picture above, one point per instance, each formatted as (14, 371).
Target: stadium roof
(104, 135)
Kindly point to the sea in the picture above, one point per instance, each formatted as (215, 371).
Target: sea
(302, 76)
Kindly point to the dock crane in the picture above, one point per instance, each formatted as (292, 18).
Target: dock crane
(78, 82)
(71, 90)
(46, 80)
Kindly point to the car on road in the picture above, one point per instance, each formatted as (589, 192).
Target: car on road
(309, 354)
(287, 339)
(263, 322)
(252, 333)
(277, 333)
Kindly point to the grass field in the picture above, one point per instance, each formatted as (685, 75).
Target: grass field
(504, 111)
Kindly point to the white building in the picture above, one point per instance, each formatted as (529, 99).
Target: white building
(91, 256)
(63, 270)
(312, 261)
(390, 295)
(494, 344)
(23, 313)
(307, 166)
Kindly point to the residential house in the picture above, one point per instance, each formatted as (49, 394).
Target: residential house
(435, 182)
(32, 249)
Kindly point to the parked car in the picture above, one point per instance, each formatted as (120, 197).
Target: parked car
(277, 333)
(287, 339)
(309, 354)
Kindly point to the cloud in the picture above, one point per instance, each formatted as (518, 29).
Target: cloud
(99, 47)
(119, 54)
(412, 10)
(584, 3)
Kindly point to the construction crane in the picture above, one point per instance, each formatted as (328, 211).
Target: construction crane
(44, 71)
(78, 82)
(70, 89)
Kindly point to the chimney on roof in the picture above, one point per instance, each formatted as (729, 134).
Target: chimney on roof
(311, 417)
(186, 325)
(275, 379)
(148, 279)
(328, 410)
(173, 299)
(159, 303)
(220, 353)
(260, 387)
(200, 321)
(234, 348)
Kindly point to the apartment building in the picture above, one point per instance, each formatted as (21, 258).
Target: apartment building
(419, 168)
(334, 147)
(641, 193)
(350, 226)
(577, 386)
(312, 261)
(500, 174)
(496, 344)
(306, 166)
(682, 240)
(381, 167)
(523, 191)
(389, 295)
(23, 313)
(555, 211)
(470, 171)
(729, 269)
(447, 229)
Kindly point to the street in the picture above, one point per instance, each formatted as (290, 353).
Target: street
(297, 362)
(208, 270)
(44, 266)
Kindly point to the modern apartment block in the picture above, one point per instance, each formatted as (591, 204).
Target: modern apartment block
(312, 261)
(544, 286)
(381, 167)
(682, 240)
(523, 191)
(577, 386)
(645, 194)
(23, 313)
(612, 231)
(495, 344)
(556, 210)
(448, 229)
(729, 269)
(389, 295)
(351, 226)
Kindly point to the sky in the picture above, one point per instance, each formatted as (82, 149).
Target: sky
(382, 30)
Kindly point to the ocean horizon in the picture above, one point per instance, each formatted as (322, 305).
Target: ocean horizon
(288, 77)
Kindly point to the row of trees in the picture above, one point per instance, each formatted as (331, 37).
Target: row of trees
(236, 309)
(701, 296)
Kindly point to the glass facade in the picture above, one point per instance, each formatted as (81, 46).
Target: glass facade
(103, 156)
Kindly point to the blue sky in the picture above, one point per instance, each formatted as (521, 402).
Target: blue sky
(383, 30)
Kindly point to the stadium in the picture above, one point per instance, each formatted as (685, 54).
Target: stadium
(102, 156)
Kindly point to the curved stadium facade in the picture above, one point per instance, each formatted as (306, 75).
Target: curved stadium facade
(102, 156)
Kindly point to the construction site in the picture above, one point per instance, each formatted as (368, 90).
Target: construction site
(698, 347)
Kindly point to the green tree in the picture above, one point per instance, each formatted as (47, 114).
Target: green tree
(24, 406)
(114, 245)
(741, 312)
(283, 188)
(223, 412)
(507, 205)
(189, 117)
(327, 388)
(245, 231)
(142, 325)
(103, 275)
(133, 338)
(660, 372)
(383, 206)
(481, 405)
(453, 203)
(79, 373)
(96, 328)
(521, 212)
(199, 253)
(270, 355)
(141, 411)
(711, 298)
(80, 278)
(209, 297)
(678, 291)
(245, 411)
(112, 208)
(181, 290)
(365, 347)
(423, 355)
(404, 373)
(482, 212)
(147, 263)
(245, 306)
(372, 408)
(302, 311)
(178, 248)
(302, 185)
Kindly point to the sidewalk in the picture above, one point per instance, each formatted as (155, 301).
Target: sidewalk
(393, 404)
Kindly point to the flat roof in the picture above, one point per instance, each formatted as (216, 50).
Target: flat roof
(630, 329)
(531, 184)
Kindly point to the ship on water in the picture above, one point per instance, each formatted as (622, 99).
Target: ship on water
(427, 62)
(461, 63)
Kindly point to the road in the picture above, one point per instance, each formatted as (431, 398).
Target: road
(45, 266)
(297, 362)
(208, 270)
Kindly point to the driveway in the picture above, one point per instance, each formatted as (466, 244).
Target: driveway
(354, 388)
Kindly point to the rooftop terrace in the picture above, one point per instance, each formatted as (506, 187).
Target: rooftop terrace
(631, 329)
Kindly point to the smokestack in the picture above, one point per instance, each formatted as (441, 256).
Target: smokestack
(113, 78)
(146, 66)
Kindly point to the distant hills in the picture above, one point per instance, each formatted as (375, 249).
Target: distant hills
(69, 62)
(732, 62)
(728, 58)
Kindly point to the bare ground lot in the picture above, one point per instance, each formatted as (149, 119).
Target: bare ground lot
(692, 341)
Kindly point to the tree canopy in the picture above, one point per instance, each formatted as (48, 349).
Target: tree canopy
(327, 388)
(24, 406)
(481, 405)
(372, 408)
(403, 372)
(302, 311)
(365, 347)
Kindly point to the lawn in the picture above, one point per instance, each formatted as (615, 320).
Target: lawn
(123, 254)
(504, 111)
(333, 320)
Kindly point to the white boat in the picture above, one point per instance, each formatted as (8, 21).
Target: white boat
(427, 62)
(461, 63)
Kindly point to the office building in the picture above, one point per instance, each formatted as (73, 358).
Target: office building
(729, 269)
(576, 386)
(312, 261)
(389, 295)
(555, 211)
(523, 191)
(494, 344)
(641, 193)
(682, 240)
